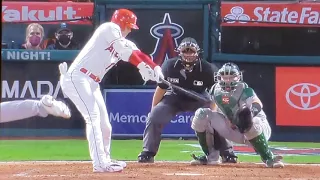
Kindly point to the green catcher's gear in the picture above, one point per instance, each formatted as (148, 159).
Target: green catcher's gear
(260, 145)
(228, 76)
(244, 119)
(212, 156)
(203, 142)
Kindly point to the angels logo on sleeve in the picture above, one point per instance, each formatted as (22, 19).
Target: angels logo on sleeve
(167, 33)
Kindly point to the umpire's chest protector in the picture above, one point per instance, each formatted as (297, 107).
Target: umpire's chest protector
(198, 80)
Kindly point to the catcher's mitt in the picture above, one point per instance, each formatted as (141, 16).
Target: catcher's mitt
(244, 119)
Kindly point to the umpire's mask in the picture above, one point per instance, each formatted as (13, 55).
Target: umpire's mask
(189, 53)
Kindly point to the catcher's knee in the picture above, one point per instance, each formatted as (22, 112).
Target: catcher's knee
(255, 130)
(200, 119)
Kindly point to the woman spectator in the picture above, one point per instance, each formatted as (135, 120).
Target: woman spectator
(34, 37)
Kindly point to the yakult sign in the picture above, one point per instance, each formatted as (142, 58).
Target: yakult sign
(280, 14)
(49, 11)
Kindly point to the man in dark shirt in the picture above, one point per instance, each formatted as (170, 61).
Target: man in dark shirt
(64, 39)
(189, 72)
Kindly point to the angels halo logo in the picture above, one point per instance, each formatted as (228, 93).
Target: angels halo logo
(167, 33)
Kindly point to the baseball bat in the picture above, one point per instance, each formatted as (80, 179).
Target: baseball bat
(191, 94)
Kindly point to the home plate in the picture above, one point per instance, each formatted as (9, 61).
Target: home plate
(183, 174)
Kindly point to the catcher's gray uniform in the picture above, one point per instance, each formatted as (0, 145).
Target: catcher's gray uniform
(223, 119)
(227, 123)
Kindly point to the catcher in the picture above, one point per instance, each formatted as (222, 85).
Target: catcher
(237, 115)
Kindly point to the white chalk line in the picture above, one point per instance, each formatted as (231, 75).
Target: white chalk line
(48, 175)
(25, 173)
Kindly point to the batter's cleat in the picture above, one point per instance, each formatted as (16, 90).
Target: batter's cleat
(111, 167)
(229, 158)
(145, 158)
(54, 107)
(275, 162)
(121, 163)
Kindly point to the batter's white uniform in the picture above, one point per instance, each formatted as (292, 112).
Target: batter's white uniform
(81, 84)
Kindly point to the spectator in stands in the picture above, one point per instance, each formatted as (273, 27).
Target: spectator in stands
(64, 39)
(34, 37)
(4, 45)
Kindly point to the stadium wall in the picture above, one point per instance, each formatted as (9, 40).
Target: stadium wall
(288, 89)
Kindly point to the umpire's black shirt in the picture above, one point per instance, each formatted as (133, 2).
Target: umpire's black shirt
(198, 80)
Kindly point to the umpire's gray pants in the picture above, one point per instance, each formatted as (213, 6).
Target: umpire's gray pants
(162, 114)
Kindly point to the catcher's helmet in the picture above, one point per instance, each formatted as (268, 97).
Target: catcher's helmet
(125, 18)
(189, 51)
(228, 76)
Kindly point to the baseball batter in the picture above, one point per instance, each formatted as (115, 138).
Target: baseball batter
(23, 109)
(238, 117)
(80, 82)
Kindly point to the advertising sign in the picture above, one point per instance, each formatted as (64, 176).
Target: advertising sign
(128, 111)
(31, 80)
(275, 14)
(298, 96)
(34, 55)
(49, 11)
(161, 30)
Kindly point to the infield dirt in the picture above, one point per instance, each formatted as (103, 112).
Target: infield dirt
(156, 171)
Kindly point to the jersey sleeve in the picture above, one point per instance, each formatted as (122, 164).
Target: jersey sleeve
(122, 46)
(165, 70)
(251, 97)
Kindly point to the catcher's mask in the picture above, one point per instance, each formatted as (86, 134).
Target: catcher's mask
(228, 76)
(189, 53)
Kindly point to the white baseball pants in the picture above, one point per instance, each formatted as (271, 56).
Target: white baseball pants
(85, 93)
(21, 109)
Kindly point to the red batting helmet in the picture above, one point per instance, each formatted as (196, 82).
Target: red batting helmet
(125, 18)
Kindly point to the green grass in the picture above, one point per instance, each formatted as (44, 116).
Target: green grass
(15, 150)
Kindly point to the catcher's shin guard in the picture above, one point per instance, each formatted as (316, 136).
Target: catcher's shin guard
(261, 146)
(203, 142)
(212, 156)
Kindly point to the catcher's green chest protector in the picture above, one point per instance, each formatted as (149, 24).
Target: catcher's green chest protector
(229, 102)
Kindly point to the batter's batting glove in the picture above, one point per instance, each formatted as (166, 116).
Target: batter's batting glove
(63, 68)
(158, 74)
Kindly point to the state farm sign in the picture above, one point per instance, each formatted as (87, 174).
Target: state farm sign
(279, 14)
(34, 11)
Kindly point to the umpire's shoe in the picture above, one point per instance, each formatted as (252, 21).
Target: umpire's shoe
(229, 158)
(145, 157)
